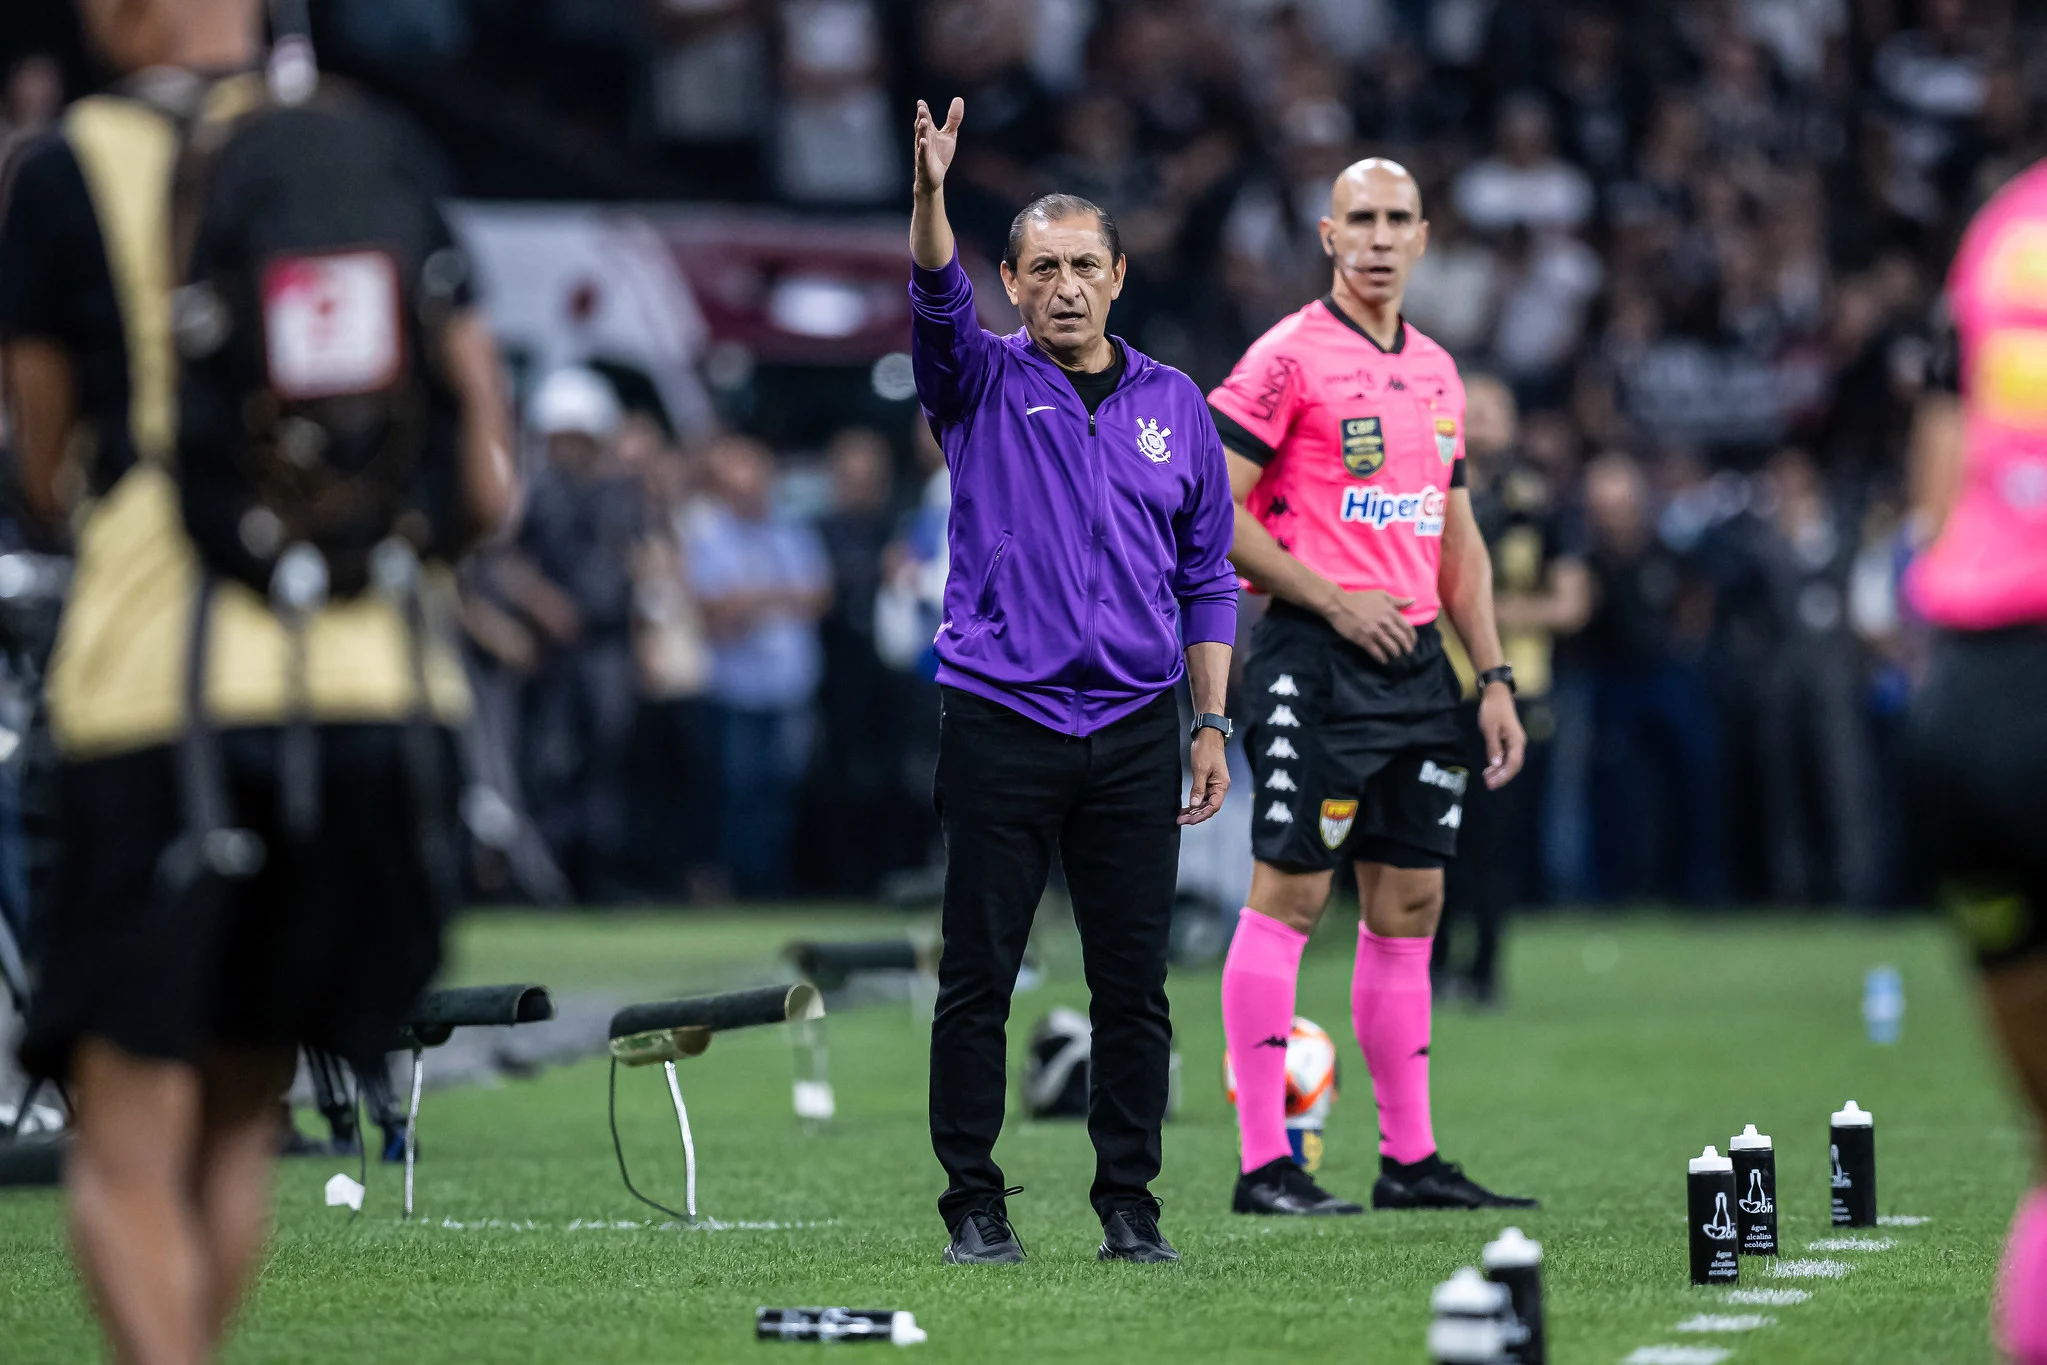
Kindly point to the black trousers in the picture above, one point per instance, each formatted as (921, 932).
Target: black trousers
(1010, 793)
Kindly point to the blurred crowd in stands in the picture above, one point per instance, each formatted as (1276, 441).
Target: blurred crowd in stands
(1698, 242)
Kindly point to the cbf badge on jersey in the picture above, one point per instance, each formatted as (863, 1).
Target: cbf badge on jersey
(1446, 439)
(1364, 446)
(1337, 818)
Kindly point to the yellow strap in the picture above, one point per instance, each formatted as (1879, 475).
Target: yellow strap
(127, 152)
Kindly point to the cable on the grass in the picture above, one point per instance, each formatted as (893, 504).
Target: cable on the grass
(618, 1148)
(362, 1148)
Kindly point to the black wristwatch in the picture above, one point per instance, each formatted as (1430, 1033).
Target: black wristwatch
(1207, 721)
(1503, 674)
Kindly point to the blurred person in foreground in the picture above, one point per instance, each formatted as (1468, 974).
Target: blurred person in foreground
(1655, 793)
(173, 1015)
(1979, 749)
(763, 582)
(1345, 433)
(571, 576)
(1541, 590)
(1090, 531)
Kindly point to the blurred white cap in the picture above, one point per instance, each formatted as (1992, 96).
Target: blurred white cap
(575, 400)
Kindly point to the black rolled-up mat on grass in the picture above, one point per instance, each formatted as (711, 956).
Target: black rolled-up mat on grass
(666, 1030)
(829, 964)
(440, 1013)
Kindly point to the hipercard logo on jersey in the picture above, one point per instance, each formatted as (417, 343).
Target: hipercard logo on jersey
(1449, 779)
(1337, 818)
(1151, 442)
(1364, 446)
(1378, 509)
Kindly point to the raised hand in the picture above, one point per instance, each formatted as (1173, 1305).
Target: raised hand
(935, 145)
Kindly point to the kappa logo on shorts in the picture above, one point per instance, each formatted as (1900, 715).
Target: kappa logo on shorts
(1281, 781)
(1337, 818)
(1449, 779)
(1453, 818)
(1283, 715)
(1278, 813)
(1364, 446)
(1281, 747)
(1283, 686)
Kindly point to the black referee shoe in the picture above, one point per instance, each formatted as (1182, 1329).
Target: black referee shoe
(1133, 1234)
(1433, 1183)
(984, 1237)
(1281, 1188)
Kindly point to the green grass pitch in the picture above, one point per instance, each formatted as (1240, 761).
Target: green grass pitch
(1626, 1047)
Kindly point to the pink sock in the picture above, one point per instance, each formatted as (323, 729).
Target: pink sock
(1259, 976)
(2019, 1311)
(1389, 1008)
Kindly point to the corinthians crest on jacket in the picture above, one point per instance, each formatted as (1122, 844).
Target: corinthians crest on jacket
(1151, 442)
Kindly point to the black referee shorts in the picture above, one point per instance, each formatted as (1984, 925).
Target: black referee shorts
(329, 944)
(1978, 774)
(1350, 758)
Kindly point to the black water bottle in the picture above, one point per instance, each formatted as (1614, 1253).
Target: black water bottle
(1709, 1200)
(1851, 1147)
(1755, 1185)
(836, 1324)
(1516, 1262)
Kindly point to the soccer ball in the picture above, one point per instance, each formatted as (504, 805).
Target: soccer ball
(1310, 1075)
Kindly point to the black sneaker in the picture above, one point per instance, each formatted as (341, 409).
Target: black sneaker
(984, 1237)
(1280, 1187)
(1433, 1183)
(1133, 1234)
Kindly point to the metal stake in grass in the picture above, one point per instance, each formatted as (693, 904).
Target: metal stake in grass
(434, 1021)
(669, 1031)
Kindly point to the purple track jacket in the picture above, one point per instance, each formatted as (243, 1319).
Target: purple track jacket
(1086, 552)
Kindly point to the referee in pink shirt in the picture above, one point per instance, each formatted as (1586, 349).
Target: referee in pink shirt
(1344, 428)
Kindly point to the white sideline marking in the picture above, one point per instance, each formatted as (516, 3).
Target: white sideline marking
(1902, 1220)
(1810, 1270)
(1676, 1355)
(1724, 1322)
(1851, 1244)
(1776, 1298)
(620, 1225)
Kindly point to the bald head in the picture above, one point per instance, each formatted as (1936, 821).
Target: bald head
(1375, 176)
(1374, 233)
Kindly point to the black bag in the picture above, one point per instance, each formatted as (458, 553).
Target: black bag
(318, 278)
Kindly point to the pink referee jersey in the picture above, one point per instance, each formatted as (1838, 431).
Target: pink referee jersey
(1988, 568)
(1360, 447)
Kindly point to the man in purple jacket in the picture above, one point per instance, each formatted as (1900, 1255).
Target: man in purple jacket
(1090, 537)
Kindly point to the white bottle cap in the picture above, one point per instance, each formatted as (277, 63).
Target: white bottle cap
(904, 1331)
(1710, 1161)
(1511, 1252)
(1749, 1140)
(1468, 1294)
(1853, 1115)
